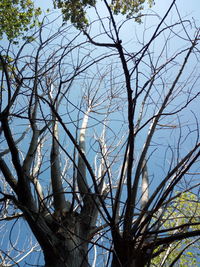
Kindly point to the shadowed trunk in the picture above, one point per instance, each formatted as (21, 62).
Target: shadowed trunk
(125, 254)
(64, 240)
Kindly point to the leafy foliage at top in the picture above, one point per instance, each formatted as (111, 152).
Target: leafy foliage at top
(17, 17)
(75, 10)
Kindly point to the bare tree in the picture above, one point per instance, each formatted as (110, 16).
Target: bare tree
(99, 138)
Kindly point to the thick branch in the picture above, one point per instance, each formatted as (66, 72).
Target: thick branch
(81, 172)
(23, 186)
(176, 237)
(56, 177)
(8, 175)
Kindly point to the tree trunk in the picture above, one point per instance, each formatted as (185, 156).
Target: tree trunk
(124, 259)
(76, 258)
(63, 239)
(126, 254)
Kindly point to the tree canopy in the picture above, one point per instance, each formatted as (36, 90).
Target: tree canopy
(17, 17)
(76, 11)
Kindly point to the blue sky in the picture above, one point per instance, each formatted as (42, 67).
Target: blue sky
(186, 8)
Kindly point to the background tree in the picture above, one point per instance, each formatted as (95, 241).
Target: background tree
(100, 139)
(176, 217)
